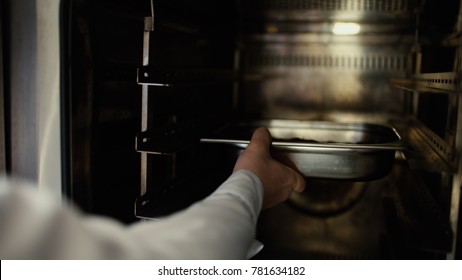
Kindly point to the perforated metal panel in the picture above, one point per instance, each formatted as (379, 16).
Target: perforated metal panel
(343, 5)
(332, 9)
(369, 62)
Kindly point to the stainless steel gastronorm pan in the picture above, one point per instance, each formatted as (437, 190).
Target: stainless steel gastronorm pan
(322, 149)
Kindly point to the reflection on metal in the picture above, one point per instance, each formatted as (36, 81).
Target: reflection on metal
(324, 77)
(329, 38)
(289, 233)
(328, 197)
(346, 28)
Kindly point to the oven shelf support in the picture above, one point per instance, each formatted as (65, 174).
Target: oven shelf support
(148, 29)
(183, 77)
(170, 139)
(434, 154)
(445, 83)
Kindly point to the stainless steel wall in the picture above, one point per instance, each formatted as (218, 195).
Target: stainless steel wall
(34, 68)
(305, 58)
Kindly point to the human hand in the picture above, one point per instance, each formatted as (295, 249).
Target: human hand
(279, 180)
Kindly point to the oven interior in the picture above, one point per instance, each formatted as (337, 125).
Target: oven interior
(144, 81)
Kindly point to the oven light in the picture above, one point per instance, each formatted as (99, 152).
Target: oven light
(346, 28)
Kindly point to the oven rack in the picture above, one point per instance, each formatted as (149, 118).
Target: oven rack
(444, 82)
(435, 153)
(431, 151)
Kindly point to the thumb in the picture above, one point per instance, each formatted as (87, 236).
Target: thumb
(299, 184)
(261, 140)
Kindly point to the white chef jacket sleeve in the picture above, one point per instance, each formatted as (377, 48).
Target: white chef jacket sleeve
(222, 226)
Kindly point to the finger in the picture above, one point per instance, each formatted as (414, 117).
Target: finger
(299, 182)
(261, 139)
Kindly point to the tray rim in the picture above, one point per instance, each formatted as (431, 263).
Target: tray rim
(397, 145)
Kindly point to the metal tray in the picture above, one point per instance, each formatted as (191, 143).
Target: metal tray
(322, 149)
